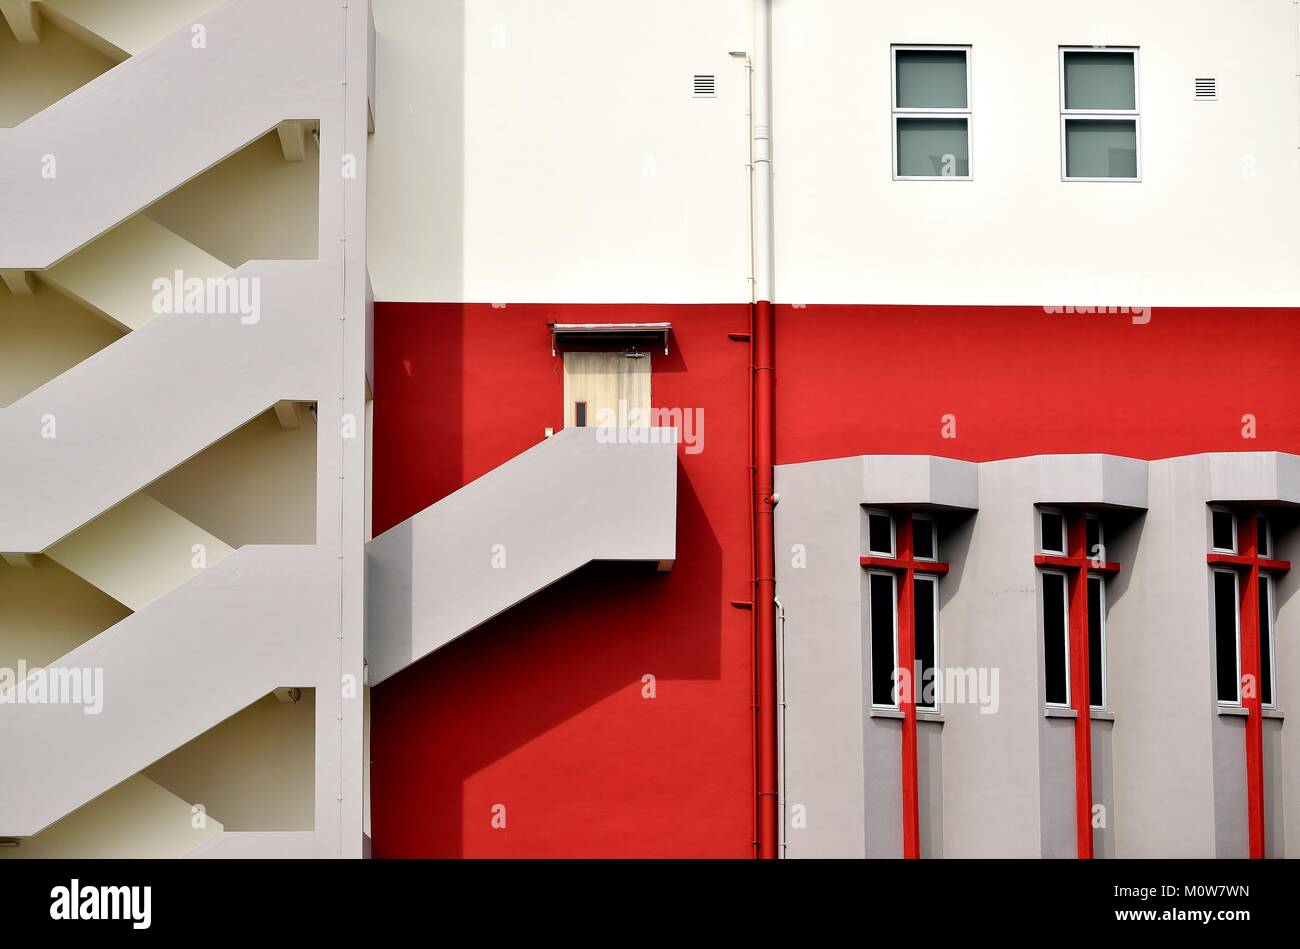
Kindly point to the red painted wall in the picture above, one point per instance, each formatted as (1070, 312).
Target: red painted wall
(857, 380)
(541, 709)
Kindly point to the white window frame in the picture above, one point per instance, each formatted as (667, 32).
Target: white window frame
(893, 534)
(1236, 544)
(1065, 609)
(1101, 538)
(934, 537)
(1270, 645)
(871, 635)
(1095, 115)
(1236, 620)
(1065, 532)
(1105, 681)
(937, 707)
(908, 113)
(1264, 538)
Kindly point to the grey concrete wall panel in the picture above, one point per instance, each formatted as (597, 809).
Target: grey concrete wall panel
(1167, 767)
(919, 480)
(1095, 480)
(1103, 787)
(819, 580)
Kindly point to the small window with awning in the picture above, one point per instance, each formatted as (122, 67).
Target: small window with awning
(609, 335)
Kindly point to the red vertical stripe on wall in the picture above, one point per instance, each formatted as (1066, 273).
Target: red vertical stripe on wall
(1080, 686)
(908, 684)
(1252, 681)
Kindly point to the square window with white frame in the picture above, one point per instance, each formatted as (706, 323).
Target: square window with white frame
(880, 533)
(931, 112)
(1100, 117)
(1223, 531)
(1051, 532)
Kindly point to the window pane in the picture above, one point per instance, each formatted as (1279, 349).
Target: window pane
(1054, 633)
(1101, 149)
(1265, 643)
(1261, 529)
(1053, 531)
(931, 78)
(880, 535)
(1099, 81)
(1096, 657)
(933, 148)
(1223, 538)
(1093, 527)
(923, 539)
(1225, 633)
(881, 596)
(926, 591)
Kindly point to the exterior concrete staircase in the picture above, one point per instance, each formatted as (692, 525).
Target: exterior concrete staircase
(206, 641)
(138, 819)
(109, 129)
(151, 400)
(179, 666)
(114, 275)
(123, 28)
(584, 494)
(139, 551)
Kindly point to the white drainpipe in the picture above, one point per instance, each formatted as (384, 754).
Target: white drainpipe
(761, 125)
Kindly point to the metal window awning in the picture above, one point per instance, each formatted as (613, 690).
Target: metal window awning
(608, 333)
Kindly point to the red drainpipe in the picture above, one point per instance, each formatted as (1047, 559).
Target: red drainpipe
(764, 441)
(763, 454)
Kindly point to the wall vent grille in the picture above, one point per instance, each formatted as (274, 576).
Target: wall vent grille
(1207, 88)
(706, 86)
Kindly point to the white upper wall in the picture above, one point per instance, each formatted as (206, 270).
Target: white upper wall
(1210, 224)
(553, 152)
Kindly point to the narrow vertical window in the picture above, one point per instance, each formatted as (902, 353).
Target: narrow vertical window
(932, 112)
(882, 606)
(580, 414)
(1097, 642)
(927, 640)
(1266, 645)
(1099, 114)
(1264, 535)
(925, 545)
(1094, 540)
(1226, 639)
(1056, 635)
